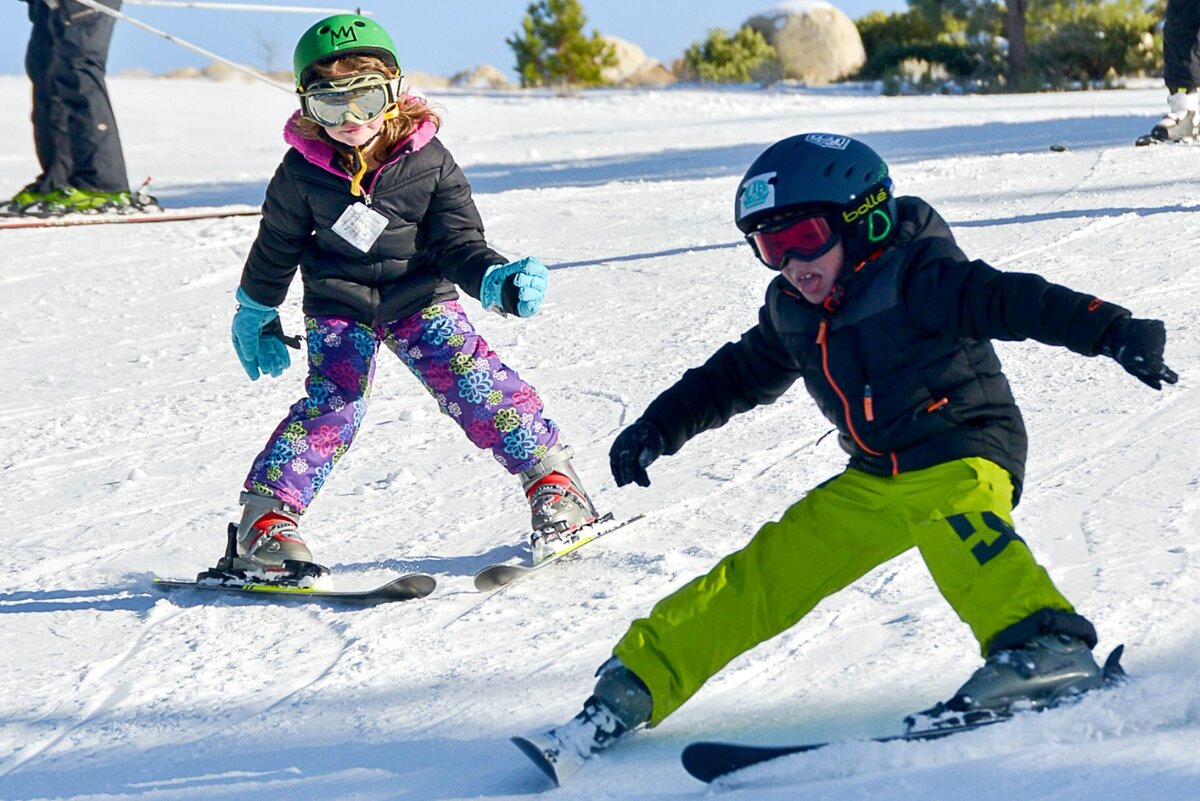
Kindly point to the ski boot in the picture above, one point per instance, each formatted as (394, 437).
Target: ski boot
(21, 202)
(266, 546)
(1042, 673)
(620, 704)
(1182, 120)
(69, 200)
(559, 505)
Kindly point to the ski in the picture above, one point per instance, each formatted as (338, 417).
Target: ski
(402, 588)
(708, 761)
(176, 215)
(493, 577)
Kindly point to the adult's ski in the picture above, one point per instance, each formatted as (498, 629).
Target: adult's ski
(173, 215)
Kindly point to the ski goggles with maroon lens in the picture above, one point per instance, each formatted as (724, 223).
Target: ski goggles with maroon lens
(351, 98)
(807, 238)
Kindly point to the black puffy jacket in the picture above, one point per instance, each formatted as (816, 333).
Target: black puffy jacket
(904, 367)
(433, 241)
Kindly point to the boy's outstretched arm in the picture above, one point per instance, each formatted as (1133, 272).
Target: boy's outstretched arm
(975, 300)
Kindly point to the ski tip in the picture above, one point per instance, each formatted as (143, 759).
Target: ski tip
(497, 576)
(537, 757)
(708, 761)
(1112, 671)
(414, 585)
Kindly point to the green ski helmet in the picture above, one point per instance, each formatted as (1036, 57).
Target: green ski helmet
(821, 171)
(340, 35)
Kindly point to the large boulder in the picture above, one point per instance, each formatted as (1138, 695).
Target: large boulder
(485, 76)
(422, 82)
(634, 67)
(816, 42)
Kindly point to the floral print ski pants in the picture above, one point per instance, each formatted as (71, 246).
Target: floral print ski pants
(494, 407)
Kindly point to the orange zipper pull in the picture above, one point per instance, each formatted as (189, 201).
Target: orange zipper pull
(821, 332)
(937, 404)
(868, 404)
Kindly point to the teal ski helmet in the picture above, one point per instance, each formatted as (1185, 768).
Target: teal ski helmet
(342, 35)
(821, 172)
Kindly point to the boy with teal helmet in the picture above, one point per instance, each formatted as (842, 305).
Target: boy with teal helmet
(372, 209)
(889, 325)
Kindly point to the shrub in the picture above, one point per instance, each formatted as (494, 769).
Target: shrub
(725, 58)
(1088, 40)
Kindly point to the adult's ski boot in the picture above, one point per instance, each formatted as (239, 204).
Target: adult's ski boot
(558, 504)
(1181, 123)
(266, 546)
(23, 201)
(1044, 672)
(620, 704)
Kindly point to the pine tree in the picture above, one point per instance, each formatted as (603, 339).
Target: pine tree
(552, 49)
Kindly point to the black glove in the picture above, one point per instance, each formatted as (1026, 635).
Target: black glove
(633, 451)
(1137, 345)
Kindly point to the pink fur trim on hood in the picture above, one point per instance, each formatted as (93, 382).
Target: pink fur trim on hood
(322, 153)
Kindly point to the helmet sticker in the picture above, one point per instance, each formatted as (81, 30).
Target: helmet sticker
(340, 37)
(849, 215)
(829, 140)
(758, 192)
(879, 225)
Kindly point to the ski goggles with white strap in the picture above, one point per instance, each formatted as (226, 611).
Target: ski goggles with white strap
(358, 98)
(807, 238)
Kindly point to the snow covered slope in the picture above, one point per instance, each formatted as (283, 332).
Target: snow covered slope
(127, 426)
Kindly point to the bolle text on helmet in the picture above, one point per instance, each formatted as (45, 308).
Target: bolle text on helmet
(870, 202)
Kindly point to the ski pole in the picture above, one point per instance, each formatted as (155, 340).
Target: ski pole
(243, 7)
(92, 4)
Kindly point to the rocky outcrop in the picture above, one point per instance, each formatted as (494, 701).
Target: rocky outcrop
(815, 41)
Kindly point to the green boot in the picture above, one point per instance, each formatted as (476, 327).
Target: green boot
(23, 200)
(70, 200)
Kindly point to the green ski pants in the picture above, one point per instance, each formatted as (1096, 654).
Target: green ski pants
(957, 513)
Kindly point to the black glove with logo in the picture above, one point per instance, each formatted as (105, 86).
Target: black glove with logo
(633, 451)
(1137, 345)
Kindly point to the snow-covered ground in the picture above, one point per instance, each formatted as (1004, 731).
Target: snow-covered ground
(127, 427)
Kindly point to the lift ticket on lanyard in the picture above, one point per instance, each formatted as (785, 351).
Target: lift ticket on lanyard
(360, 225)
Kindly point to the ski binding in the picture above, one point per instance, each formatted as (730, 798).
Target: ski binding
(298, 580)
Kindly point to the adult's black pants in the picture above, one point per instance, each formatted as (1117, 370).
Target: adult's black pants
(74, 130)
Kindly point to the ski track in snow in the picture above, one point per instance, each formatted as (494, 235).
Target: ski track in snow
(128, 425)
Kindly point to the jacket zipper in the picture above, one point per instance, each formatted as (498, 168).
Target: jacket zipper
(822, 340)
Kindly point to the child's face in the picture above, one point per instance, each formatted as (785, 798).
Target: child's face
(355, 134)
(813, 279)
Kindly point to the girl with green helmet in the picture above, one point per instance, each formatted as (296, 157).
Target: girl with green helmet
(372, 209)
